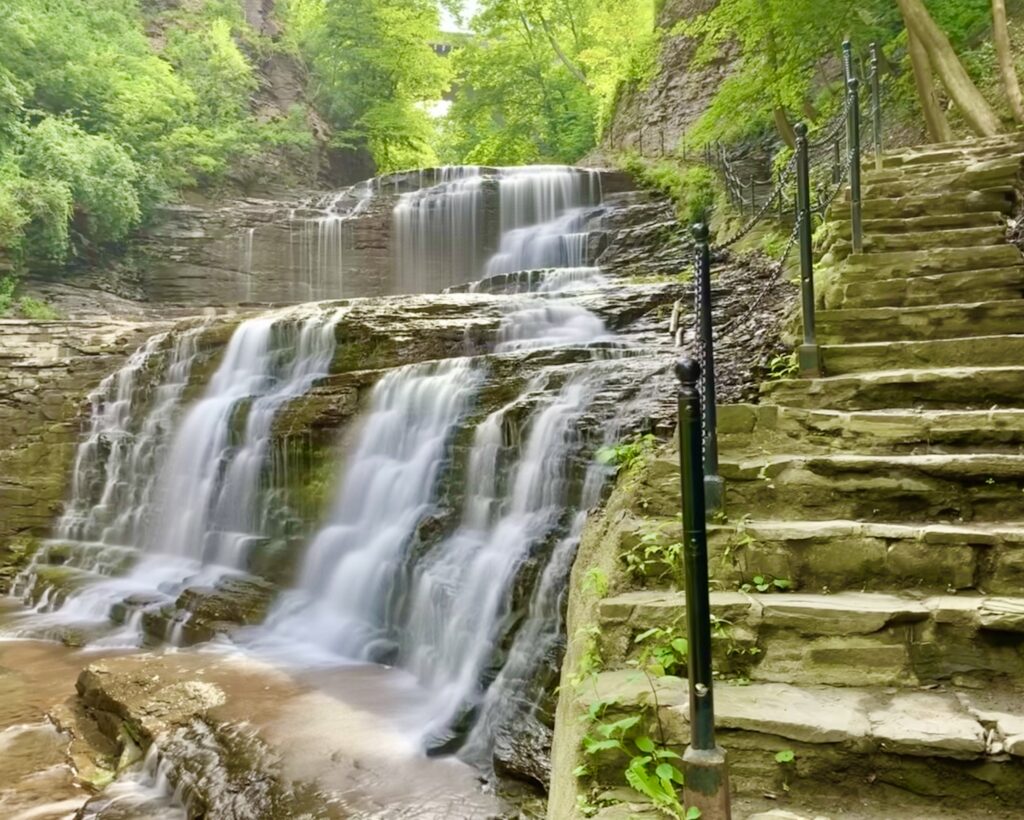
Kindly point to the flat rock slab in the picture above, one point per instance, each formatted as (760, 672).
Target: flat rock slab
(908, 723)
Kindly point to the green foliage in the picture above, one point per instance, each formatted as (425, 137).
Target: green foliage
(98, 123)
(656, 558)
(628, 454)
(785, 756)
(538, 79)
(784, 64)
(767, 583)
(7, 287)
(375, 72)
(665, 651)
(783, 366)
(693, 188)
(35, 309)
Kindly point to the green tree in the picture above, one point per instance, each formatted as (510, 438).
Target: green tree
(376, 73)
(538, 79)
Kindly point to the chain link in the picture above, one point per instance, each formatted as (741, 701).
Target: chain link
(775, 193)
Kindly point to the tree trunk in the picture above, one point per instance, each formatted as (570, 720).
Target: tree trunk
(1001, 35)
(784, 127)
(975, 109)
(934, 117)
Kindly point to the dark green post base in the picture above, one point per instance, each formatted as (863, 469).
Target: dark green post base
(714, 490)
(809, 359)
(707, 783)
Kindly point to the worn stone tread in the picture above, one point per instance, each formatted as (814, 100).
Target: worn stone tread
(880, 324)
(842, 613)
(989, 351)
(989, 285)
(926, 387)
(915, 723)
(945, 259)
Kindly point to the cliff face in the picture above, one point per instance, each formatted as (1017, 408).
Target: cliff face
(653, 118)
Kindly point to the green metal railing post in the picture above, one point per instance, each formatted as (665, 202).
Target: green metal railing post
(702, 293)
(853, 132)
(876, 104)
(847, 61)
(808, 354)
(704, 763)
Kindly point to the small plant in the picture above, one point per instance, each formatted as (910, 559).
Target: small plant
(665, 652)
(7, 286)
(653, 556)
(650, 771)
(36, 310)
(786, 758)
(591, 661)
(626, 455)
(595, 582)
(783, 366)
(767, 583)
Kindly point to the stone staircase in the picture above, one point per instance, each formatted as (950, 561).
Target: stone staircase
(868, 581)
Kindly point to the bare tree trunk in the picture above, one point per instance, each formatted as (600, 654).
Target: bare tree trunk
(1001, 35)
(784, 127)
(934, 117)
(975, 109)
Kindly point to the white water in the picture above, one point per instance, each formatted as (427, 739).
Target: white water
(437, 232)
(461, 592)
(543, 218)
(352, 570)
(181, 501)
(319, 246)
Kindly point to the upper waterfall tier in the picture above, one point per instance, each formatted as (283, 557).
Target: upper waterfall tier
(415, 232)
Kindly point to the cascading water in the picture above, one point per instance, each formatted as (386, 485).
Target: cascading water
(354, 566)
(454, 525)
(543, 218)
(437, 231)
(179, 503)
(320, 240)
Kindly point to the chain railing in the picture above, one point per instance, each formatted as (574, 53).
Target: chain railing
(821, 168)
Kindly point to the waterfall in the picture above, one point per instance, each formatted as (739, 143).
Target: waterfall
(166, 502)
(437, 231)
(353, 568)
(215, 481)
(543, 218)
(320, 239)
(542, 212)
(461, 592)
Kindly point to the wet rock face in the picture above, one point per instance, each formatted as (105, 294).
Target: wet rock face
(46, 371)
(652, 120)
(321, 246)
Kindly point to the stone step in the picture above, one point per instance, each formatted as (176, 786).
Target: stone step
(935, 238)
(973, 351)
(1000, 200)
(997, 172)
(936, 487)
(750, 428)
(892, 264)
(990, 285)
(842, 555)
(949, 388)
(840, 639)
(929, 222)
(950, 321)
(965, 162)
(939, 153)
(941, 743)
